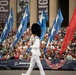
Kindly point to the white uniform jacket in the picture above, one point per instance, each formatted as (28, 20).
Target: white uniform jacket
(35, 48)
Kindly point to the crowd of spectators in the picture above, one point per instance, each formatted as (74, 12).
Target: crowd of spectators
(52, 52)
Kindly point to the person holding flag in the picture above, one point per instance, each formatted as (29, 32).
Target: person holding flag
(35, 50)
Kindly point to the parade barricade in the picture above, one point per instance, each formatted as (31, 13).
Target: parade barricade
(23, 64)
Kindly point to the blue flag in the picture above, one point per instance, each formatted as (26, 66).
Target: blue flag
(22, 26)
(56, 26)
(8, 26)
(42, 22)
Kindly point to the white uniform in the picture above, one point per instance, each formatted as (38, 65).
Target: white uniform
(35, 57)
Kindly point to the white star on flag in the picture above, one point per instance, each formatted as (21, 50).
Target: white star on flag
(0, 39)
(9, 17)
(53, 29)
(57, 18)
(25, 15)
(20, 27)
(41, 18)
(5, 28)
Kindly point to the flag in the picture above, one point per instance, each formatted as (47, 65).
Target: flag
(69, 33)
(8, 26)
(22, 26)
(42, 22)
(55, 27)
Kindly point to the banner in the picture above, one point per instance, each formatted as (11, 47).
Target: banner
(21, 4)
(42, 5)
(4, 9)
(55, 65)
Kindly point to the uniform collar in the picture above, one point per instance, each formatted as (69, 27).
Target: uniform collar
(36, 37)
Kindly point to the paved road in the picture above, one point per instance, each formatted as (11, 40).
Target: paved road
(36, 72)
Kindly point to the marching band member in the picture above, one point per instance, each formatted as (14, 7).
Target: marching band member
(35, 50)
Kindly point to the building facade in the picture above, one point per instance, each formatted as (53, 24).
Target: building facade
(67, 7)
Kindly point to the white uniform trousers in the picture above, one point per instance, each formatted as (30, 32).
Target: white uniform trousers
(35, 59)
